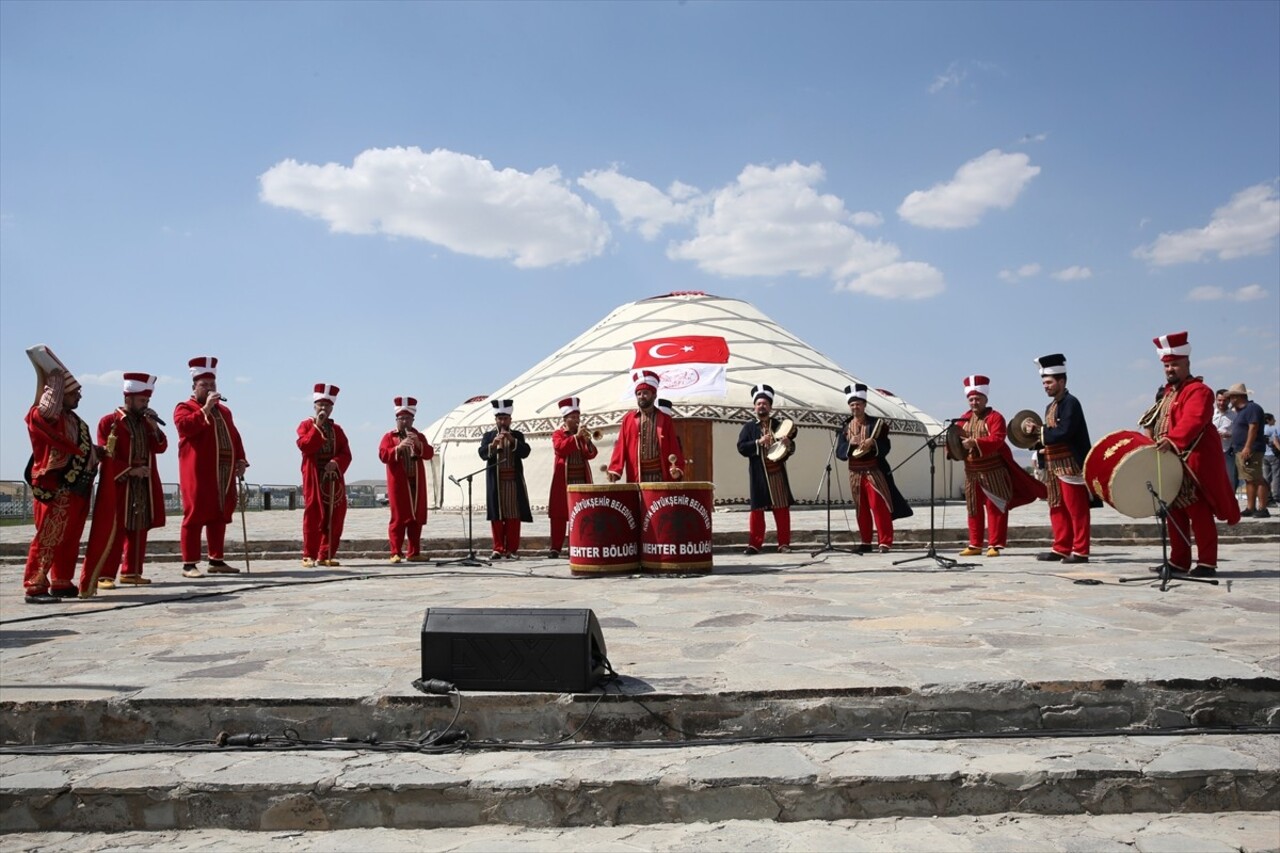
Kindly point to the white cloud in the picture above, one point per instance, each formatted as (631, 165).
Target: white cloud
(1024, 271)
(995, 179)
(948, 79)
(1033, 137)
(1246, 225)
(1217, 361)
(111, 379)
(867, 219)
(1075, 273)
(907, 280)
(638, 201)
(1213, 293)
(453, 200)
(771, 221)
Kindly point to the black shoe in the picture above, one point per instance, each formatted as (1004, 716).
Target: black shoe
(65, 592)
(41, 598)
(1049, 557)
(1246, 513)
(218, 567)
(750, 552)
(1203, 572)
(1262, 513)
(553, 555)
(866, 548)
(1075, 558)
(1155, 570)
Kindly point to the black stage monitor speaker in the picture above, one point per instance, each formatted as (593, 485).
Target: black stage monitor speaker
(527, 650)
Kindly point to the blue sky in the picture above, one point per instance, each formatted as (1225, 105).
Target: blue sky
(429, 198)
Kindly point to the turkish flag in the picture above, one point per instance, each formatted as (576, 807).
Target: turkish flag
(685, 349)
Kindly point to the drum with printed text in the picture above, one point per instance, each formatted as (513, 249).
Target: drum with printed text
(1120, 467)
(675, 531)
(604, 528)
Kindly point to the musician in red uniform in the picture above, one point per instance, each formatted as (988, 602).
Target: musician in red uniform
(130, 499)
(210, 460)
(1184, 424)
(326, 455)
(405, 452)
(864, 441)
(993, 482)
(647, 450)
(61, 470)
(574, 451)
(770, 487)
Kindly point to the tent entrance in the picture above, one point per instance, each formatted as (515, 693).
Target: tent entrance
(695, 438)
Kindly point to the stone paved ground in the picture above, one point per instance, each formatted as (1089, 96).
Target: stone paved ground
(1248, 832)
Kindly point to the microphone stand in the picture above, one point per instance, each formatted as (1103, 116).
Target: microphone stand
(827, 546)
(471, 559)
(932, 554)
(1166, 568)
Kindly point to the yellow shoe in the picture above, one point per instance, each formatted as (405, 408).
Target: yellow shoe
(971, 551)
(396, 558)
(106, 583)
(993, 551)
(308, 563)
(135, 579)
(417, 558)
(328, 563)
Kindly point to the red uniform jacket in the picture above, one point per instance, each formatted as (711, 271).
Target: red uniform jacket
(310, 442)
(626, 453)
(1191, 431)
(1026, 489)
(206, 498)
(565, 444)
(408, 498)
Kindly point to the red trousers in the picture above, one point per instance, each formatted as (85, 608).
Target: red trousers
(1196, 521)
(872, 506)
(1070, 520)
(398, 531)
(322, 528)
(52, 557)
(781, 520)
(215, 532)
(125, 553)
(995, 521)
(506, 535)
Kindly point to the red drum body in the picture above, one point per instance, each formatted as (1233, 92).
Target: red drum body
(1119, 467)
(604, 528)
(675, 536)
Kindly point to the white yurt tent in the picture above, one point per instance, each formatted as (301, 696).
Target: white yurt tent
(596, 366)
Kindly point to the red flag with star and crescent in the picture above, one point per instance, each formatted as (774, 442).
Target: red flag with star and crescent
(686, 364)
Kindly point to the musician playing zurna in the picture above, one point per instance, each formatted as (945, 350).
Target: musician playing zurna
(647, 450)
(574, 450)
(130, 499)
(767, 448)
(864, 442)
(506, 497)
(326, 456)
(405, 452)
(1183, 423)
(210, 459)
(1062, 446)
(60, 473)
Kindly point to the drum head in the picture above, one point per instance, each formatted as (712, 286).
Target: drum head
(1129, 493)
(778, 451)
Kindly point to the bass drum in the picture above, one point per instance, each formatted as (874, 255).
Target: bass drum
(1119, 468)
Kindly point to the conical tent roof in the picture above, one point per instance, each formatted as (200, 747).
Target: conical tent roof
(596, 365)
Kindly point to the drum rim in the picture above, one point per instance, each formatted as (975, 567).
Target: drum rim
(675, 485)
(1106, 491)
(603, 487)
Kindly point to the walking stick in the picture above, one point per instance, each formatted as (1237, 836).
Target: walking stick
(244, 526)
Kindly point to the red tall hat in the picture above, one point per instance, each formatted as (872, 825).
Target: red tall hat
(406, 404)
(1173, 345)
(139, 384)
(977, 384)
(324, 392)
(570, 404)
(204, 365)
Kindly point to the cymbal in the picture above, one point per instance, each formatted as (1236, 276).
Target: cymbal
(1017, 436)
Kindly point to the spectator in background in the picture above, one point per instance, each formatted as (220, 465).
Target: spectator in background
(1223, 416)
(1271, 457)
(1248, 443)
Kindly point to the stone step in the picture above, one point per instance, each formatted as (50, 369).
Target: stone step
(635, 715)
(343, 789)
(1145, 832)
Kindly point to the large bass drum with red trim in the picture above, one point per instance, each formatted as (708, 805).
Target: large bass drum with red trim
(1119, 468)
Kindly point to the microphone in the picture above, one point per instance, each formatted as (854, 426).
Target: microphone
(151, 413)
